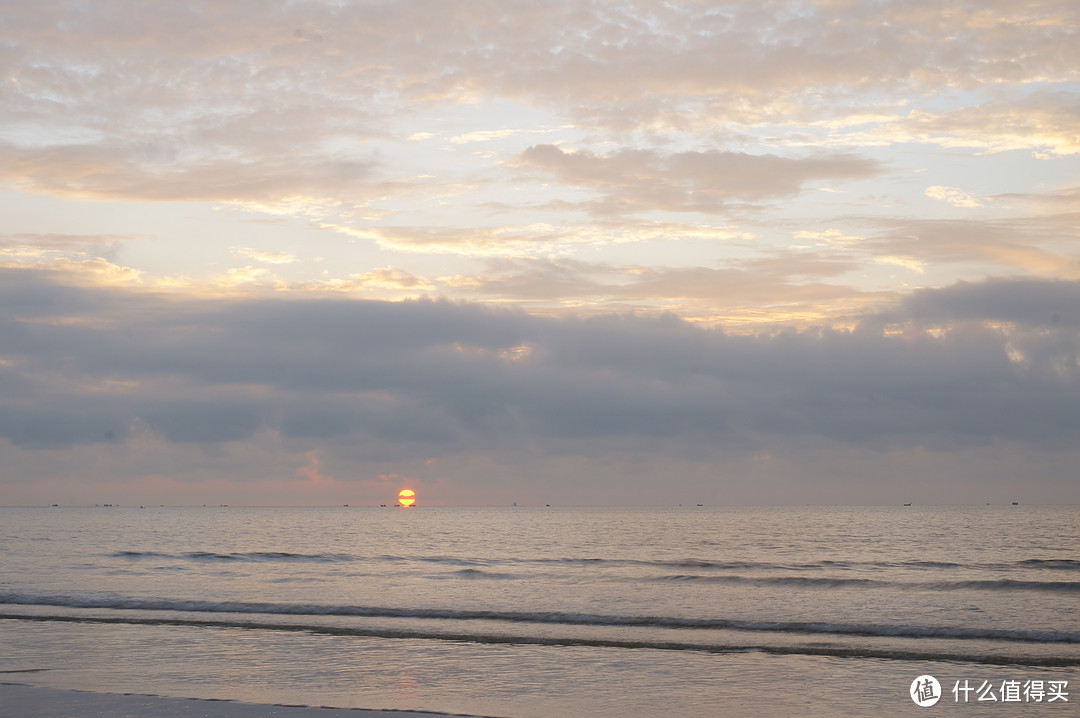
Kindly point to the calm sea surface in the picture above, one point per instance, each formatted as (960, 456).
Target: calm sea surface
(538, 612)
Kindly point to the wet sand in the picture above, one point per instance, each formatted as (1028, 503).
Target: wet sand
(28, 701)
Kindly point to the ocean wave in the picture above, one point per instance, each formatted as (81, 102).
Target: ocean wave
(808, 581)
(236, 556)
(1028, 564)
(1064, 564)
(860, 652)
(1006, 584)
(828, 582)
(99, 601)
(477, 573)
(824, 564)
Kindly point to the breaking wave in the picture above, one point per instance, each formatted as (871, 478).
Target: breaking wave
(914, 654)
(693, 563)
(540, 617)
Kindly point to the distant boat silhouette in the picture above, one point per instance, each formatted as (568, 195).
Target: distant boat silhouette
(1016, 503)
(908, 504)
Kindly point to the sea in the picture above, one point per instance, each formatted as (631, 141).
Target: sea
(538, 612)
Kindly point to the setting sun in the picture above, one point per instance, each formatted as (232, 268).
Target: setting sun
(406, 497)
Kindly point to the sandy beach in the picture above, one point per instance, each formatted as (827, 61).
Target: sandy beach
(39, 702)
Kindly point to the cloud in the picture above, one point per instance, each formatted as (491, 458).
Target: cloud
(318, 110)
(238, 276)
(525, 240)
(127, 173)
(1067, 200)
(830, 237)
(58, 249)
(453, 240)
(1031, 303)
(450, 377)
(1044, 122)
(1040, 121)
(266, 257)
(115, 385)
(744, 284)
(953, 196)
(707, 182)
(618, 52)
(224, 103)
(63, 242)
(1035, 243)
(906, 262)
(381, 283)
(482, 136)
(250, 101)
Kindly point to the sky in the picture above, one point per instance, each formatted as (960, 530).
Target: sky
(592, 252)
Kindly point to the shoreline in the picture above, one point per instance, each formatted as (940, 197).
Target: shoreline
(31, 701)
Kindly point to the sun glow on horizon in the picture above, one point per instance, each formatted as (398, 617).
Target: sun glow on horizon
(406, 497)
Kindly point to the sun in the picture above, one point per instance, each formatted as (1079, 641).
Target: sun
(406, 497)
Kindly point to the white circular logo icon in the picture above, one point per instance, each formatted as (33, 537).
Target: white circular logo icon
(925, 691)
